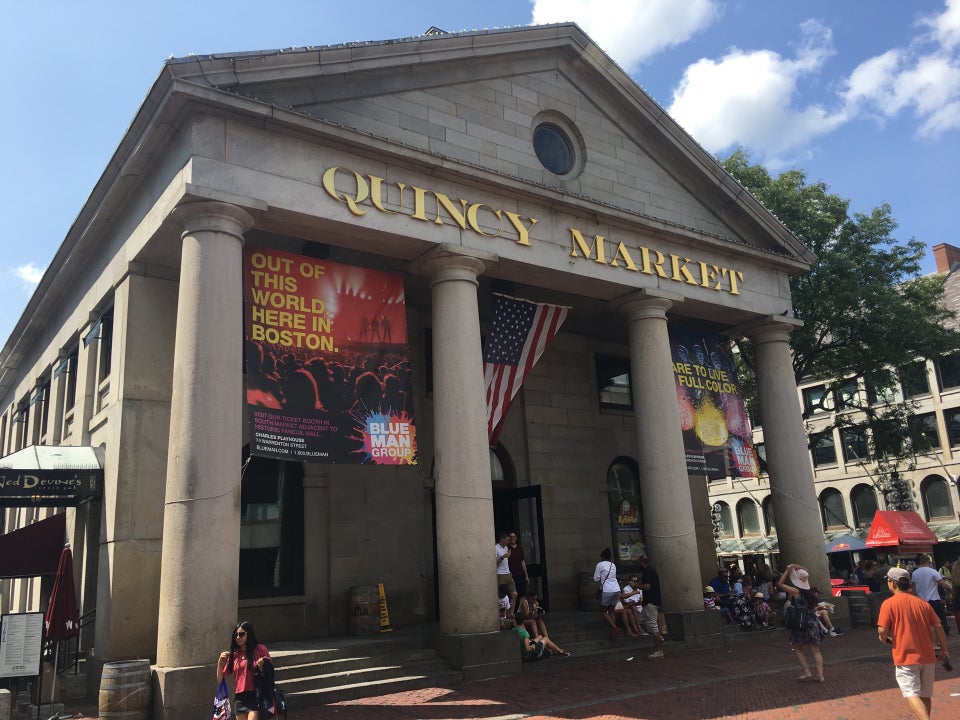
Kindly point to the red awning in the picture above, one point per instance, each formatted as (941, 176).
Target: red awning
(901, 529)
(33, 550)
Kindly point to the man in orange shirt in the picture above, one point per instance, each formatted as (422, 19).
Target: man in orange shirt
(910, 625)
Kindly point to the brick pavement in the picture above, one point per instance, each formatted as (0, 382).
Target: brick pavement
(754, 679)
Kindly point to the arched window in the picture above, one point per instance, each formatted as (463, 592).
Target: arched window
(497, 474)
(831, 510)
(748, 517)
(726, 517)
(936, 498)
(271, 527)
(768, 518)
(626, 516)
(863, 498)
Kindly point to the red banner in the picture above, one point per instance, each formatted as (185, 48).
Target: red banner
(327, 362)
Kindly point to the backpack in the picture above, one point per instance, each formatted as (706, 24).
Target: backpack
(795, 614)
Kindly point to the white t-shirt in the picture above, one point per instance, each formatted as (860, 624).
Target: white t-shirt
(925, 580)
(606, 573)
(504, 605)
(503, 562)
(635, 596)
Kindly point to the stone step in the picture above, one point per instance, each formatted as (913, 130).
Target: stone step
(363, 675)
(358, 667)
(355, 691)
(30, 711)
(73, 686)
(285, 671)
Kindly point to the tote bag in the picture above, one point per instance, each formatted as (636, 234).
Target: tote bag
(221, 703)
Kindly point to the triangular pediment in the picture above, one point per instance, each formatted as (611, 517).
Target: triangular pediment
(475, 98)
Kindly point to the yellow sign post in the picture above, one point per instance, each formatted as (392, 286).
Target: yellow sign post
(384, 613)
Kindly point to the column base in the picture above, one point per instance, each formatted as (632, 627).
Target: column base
(696, 628)
(480, 655)
(183, 693)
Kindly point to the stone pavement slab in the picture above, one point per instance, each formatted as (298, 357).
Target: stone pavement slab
(754, 679)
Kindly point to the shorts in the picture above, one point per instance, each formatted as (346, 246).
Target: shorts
(506, 580)
(536, 653)
(609, 599)
(915, 680)
(245, 702)
(648, 618)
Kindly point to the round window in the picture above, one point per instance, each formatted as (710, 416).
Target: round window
(553, 148)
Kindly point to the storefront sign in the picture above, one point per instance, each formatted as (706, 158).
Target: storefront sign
(716, 431)
(360, 193)
(49, 488)
(327, 362)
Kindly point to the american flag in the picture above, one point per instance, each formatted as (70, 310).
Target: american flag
(519, 333)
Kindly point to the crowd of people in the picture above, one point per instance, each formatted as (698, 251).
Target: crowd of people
(913, 620)
(330, 385)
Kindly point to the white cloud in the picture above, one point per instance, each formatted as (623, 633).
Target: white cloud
(873, 80)
(630, 32)
(753, 98)
(29, 273)
(750, 99)
(920, 79)
(946, 26)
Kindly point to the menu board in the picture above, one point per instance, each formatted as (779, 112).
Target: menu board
(21, 639)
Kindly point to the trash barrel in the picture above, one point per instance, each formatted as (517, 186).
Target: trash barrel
(860, 615)
(364, 610)
(125, 690)
(587, 592)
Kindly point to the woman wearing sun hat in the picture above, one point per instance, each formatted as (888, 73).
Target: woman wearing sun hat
(795, 582)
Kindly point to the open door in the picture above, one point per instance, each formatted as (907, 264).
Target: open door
(521, 509)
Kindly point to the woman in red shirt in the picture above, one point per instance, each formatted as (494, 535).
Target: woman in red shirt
(244, 653)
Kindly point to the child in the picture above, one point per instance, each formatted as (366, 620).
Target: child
(764, 612)
(709, 598)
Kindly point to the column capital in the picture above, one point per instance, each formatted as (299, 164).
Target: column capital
(772, 328)
(213, 216)
(453, 262)
(646, 304)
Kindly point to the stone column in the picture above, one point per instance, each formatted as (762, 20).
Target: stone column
(795, 506)
(668, 517)
(201, 519)
(316, 547)
(464, 496)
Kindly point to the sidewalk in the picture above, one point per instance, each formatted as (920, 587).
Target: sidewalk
(755, 679)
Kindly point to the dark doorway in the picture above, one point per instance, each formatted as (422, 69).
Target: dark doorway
(521, 509)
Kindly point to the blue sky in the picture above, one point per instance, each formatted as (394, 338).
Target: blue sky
(862, 95)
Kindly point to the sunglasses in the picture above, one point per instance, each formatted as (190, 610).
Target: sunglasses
(240, 634)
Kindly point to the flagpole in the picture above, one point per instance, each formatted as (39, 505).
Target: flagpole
(53, 683)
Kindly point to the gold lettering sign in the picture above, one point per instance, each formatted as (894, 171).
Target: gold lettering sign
(356, 191)
(653, 262)
(361, 192)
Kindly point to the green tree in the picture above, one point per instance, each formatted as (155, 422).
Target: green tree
(866, 309)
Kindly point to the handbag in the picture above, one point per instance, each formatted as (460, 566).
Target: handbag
(221, 703)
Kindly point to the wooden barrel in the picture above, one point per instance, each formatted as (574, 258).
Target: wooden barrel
(587, 592)
(364, 610)
(860, 615)
(125, 690)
